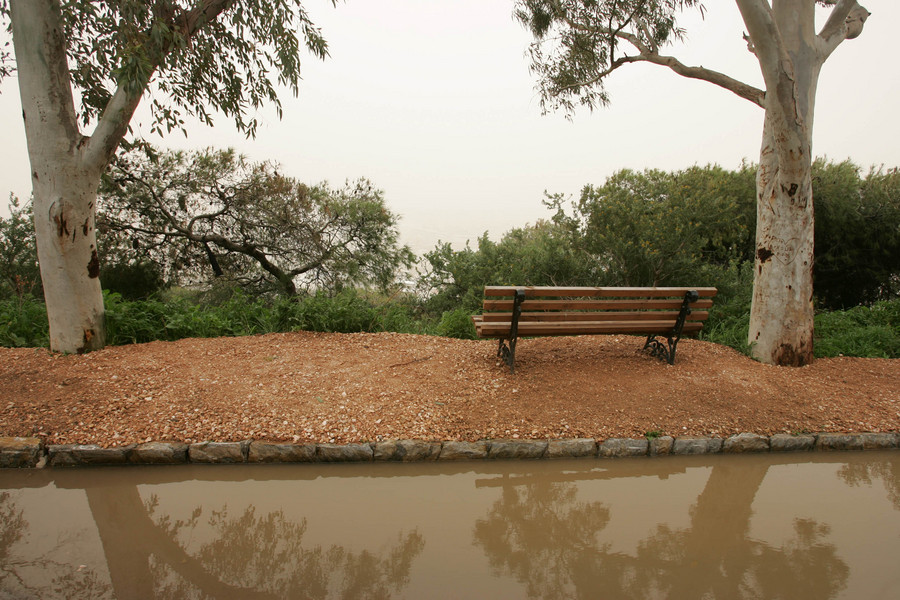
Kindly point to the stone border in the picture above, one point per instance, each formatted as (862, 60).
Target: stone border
(18, 452)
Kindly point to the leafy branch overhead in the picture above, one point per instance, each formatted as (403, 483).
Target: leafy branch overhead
(215, 55)
(213, 213)
(578, 44)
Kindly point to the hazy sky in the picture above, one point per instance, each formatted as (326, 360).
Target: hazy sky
(433, 101)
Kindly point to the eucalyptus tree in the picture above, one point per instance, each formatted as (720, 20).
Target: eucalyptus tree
(198, 57)
(579, 43)
(213, 213)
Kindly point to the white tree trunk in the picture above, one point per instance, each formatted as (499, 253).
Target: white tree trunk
(64, 212)
(64, 182)
(781, 315)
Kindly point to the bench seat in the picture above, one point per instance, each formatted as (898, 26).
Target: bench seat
(670, 312)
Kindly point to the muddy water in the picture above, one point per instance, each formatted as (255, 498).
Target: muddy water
(790, 526)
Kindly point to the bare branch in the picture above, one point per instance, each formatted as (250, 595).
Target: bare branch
(739, 88)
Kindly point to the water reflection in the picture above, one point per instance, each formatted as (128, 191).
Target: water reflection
(866, 473)
(549, 540)
(700, 527)
(245, 556)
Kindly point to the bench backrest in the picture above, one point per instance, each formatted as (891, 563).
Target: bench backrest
(594, 303)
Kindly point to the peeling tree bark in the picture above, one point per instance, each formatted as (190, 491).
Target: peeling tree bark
(781, 315)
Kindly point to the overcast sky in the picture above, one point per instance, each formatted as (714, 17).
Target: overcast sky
(433, 101)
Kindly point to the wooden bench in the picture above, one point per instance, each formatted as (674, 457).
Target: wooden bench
(663, 314)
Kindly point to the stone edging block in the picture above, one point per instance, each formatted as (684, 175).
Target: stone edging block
(344, 453)
(217, 452)
(159, 453)
(783, 442)
(23, 452)
(745, 442)
(18, 452)
(512, 449)
(76, 455)
(464, 450)
(623, 447)
(578, 448)
(407, 450)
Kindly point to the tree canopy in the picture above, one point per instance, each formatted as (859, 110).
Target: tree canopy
(215, 213)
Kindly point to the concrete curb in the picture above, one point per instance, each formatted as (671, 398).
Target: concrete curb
(19, 452)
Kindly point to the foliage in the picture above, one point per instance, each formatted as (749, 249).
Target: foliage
(862, 331)
(137, 279)
(857, 234)
(213, 214)
(183, 315)
(457, 324)
(657, 228)
(23, 323)
(866, 331)
(578, 43)
(540, 254)
(226, 57)
(19, 271)
(729, 318)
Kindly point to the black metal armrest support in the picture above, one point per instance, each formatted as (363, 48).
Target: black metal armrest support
(666, 352)
(508, 352)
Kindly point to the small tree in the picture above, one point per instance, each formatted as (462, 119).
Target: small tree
(19, 274)
(214, 213)
(201, 56)
(581, 42)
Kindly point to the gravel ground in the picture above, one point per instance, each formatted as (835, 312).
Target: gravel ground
(340, 388)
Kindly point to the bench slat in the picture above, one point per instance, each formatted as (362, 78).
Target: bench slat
(696, 315)
(598, 292)
(558, 305)
(487, 329)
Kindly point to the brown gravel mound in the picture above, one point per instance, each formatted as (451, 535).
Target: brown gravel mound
(315, 387)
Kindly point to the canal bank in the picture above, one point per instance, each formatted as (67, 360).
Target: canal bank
(20, 452)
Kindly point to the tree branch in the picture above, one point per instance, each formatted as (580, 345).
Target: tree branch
(845, 23)
(739, 88)
(114, 120)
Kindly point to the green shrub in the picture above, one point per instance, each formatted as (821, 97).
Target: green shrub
(457, 324)
(865, 331)
(23, 323)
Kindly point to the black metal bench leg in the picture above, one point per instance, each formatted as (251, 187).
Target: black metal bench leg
(661, 351)
(667, 351)
(510, 350)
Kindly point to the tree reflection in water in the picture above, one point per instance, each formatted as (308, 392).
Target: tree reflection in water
(266, 554)
(866, 473)
(538, 534)
(17, 575)
(542, 535)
